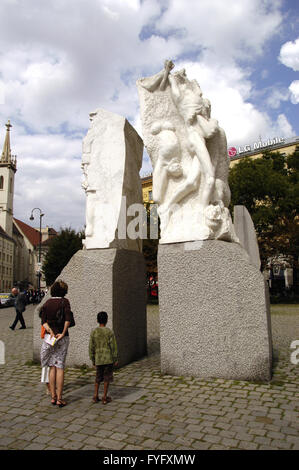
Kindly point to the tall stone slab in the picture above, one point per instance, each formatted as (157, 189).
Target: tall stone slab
(246, 233)
(109, 273)
(214, 312)
(111, 161)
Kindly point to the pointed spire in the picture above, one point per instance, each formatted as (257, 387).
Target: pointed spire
(6, 153)
(6, 156)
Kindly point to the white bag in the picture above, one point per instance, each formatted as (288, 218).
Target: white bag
(45, 375)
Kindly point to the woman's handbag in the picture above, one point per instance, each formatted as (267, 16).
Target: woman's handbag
(60, 316)
(73, 323)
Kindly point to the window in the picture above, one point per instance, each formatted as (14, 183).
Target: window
(1, 182)
(150, 195)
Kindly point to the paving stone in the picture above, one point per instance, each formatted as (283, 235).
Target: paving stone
(118, 436)
(198, 445)
(279, 444)
(74, 428)
(287, 430)
(35, 446)
(245, 445)
(78, 437)
(275, 435)
(73, 445)
(262, 440)
(112, 445)
(228, 434)
(6, 441)
(211, 438)
(57, 442)
(230, 443)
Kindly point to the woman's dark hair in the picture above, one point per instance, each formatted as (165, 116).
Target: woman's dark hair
(102, 318)
(59, 289)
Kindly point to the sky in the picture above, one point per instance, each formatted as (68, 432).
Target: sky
(61, 59)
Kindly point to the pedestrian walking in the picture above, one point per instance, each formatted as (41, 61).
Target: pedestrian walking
(56, 318)
(20, 306)
(103, 354)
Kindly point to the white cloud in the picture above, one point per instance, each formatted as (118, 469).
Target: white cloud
(276, 96)
(48, 176)
(294, 89)
(231, 28)
(283, 127)
(289, 54)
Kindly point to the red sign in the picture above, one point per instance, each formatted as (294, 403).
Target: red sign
(232, 151)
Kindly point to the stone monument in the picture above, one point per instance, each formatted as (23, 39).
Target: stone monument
(245, 231)
(109, 273)
(214, 309)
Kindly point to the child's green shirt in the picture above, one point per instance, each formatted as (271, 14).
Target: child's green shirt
(102, 346)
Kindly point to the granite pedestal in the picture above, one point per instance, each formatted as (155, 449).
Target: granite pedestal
(214, 312)
(112, 280)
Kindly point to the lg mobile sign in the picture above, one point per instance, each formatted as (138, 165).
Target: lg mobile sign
(233, 151)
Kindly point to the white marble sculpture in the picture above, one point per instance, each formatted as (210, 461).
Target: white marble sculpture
(111, 161)
(188, 151)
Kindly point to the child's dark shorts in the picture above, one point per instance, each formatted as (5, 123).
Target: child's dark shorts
(104, 373)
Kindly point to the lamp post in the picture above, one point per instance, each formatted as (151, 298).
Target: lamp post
(40, 243)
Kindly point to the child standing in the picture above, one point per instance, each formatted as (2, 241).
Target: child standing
(103, 354)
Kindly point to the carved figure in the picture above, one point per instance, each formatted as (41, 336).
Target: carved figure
(197, 146)
(168, 163)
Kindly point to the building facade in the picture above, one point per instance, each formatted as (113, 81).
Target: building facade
(6, 261)
(147, 189)
(20, 244)
(284, 146)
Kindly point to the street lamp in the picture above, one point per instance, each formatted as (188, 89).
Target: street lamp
(40, 242)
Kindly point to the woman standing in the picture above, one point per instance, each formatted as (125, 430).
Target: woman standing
(56, 319)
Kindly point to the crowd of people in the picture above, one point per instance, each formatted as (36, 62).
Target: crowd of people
(34, 296)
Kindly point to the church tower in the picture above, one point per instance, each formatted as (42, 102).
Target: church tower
(8, 167)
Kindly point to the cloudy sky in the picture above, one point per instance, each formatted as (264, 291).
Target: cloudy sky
(61, 59)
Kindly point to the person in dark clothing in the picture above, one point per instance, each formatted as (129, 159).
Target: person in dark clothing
(55, 356)
(20, 306)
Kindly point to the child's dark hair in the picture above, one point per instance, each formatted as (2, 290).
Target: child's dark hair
(102, 318)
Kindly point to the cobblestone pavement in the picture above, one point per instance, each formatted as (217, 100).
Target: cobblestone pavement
(149, 410)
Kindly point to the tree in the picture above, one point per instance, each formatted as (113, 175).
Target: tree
(269, 188)
(61, 249)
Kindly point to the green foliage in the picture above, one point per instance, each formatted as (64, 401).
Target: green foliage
(269, 188)
(61, 249)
